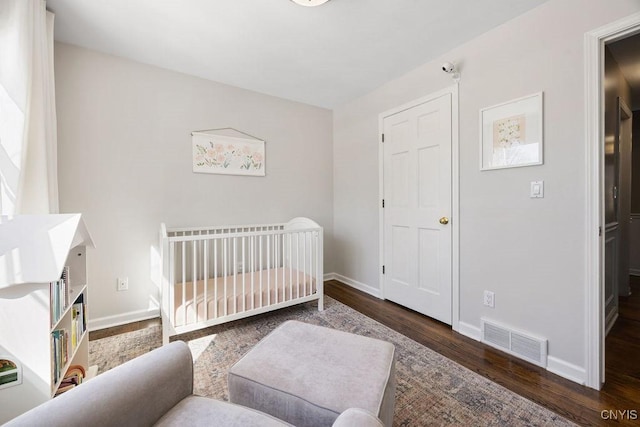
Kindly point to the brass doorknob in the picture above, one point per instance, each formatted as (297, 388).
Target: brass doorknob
(444, 220)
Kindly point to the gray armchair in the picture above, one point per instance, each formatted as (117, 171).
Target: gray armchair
(155, 389)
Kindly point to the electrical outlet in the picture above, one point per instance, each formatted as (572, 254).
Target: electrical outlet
(123, 284)
(489, 299)
(240, 267)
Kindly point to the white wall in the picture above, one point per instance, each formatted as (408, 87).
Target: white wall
(125, 163)
(530, 252)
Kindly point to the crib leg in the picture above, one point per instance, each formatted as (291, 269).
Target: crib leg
(321, 302)
(165, 338)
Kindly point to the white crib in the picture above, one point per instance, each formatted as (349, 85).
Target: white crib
(213, 275)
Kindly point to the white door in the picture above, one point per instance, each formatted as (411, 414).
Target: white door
(417, 233)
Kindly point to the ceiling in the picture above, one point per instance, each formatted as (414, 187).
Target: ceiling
(323, 56)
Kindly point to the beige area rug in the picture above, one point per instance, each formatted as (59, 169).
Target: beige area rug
(432, 390)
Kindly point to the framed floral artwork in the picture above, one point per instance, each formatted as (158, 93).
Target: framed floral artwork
(228, 152)
(511, 133)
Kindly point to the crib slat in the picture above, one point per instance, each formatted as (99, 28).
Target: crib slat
(297, 265)
(309, 269)
(290, 266)
(316, 240)
(283, 262)
(224, 266)
(235, 273)
(184, 281)
(205, 276)
(260, 262)
(172, 282)
(215, 278)
(304, 264)
(269, 266)
(244, 268)
(277, 253)
(252, 260)
(194, 279)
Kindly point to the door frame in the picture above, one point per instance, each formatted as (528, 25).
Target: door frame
(623, 109)
(455, 193)
(594, 42)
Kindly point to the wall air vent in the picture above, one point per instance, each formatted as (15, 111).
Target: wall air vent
(525, 346)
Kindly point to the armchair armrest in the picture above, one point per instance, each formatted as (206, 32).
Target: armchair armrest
(138, 392)
(356, 417)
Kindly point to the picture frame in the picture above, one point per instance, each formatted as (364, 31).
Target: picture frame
(218, 152)
(511, 133)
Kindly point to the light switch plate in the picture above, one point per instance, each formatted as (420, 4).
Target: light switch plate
(537, 189)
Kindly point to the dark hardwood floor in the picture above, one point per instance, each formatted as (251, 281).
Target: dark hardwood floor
(580, 404)
(622, 375)
(129, 327)
(577, 403)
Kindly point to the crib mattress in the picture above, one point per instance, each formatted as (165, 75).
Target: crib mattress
(278, 285)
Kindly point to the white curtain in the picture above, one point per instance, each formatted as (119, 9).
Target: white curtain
(28, 142)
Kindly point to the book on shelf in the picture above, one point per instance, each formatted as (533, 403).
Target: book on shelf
(74, 329)
(60, 350)
(64, 278)
(74, 377)
(63, 388)
(56, 289)
(76, 370)
(60, 295)
(78, 323)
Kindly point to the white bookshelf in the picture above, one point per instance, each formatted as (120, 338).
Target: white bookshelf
(34, 250)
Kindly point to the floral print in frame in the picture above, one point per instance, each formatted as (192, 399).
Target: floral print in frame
(511, 133)
(229, 155)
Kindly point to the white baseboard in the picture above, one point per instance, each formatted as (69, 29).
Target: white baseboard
(554, 365)
(122, 319)
(355, 284)
(470, 331)
(566, 370)
(634, 272)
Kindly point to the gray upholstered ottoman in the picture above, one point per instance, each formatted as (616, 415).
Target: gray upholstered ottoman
(307, 375)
